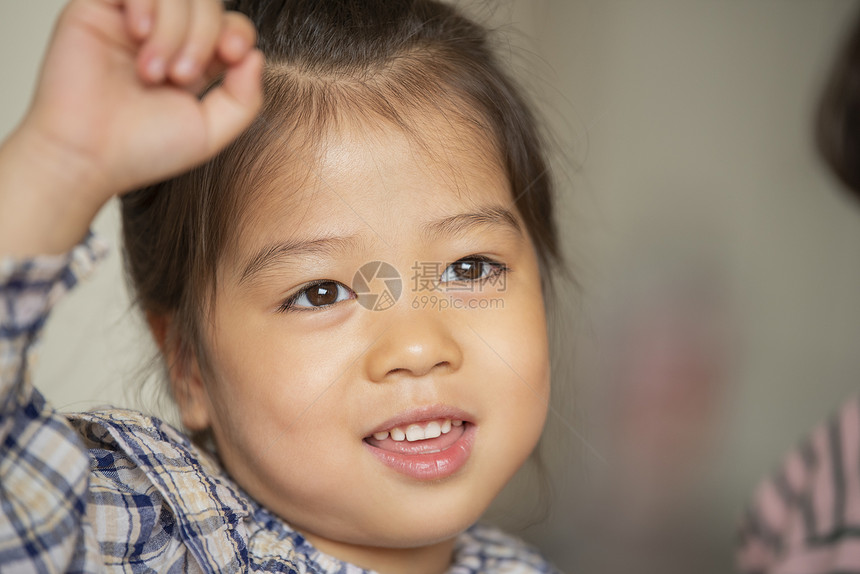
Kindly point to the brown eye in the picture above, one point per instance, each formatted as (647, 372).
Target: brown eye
(472, 269)
(318, 296)
(322, 294)
(468, 270)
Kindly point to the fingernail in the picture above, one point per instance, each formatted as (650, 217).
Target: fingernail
(155, 69)
(236, 44)
(184, 68)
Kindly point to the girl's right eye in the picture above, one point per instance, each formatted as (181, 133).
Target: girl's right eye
(318, 295)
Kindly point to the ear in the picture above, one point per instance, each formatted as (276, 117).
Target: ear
(190, 394)
(158, 327)
(186, 381)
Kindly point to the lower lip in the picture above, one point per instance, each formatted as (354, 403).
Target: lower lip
(430, 466)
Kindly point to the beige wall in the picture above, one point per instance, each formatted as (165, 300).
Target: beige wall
(691, 119)
(671, 114)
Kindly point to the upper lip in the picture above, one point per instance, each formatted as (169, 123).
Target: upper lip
(420, 415)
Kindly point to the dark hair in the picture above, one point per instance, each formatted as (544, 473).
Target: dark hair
(838, 121)
(324, 60)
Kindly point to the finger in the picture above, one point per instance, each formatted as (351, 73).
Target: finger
(106, 18)
(139, 16)
(236, 40)
(169, 30)
(214, 70)
(230, 107)
(203, 30)
(238, 37)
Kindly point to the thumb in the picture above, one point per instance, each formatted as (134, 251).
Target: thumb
(230, 108)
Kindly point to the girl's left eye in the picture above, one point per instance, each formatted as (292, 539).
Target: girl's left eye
(472, 268)
(318, 296)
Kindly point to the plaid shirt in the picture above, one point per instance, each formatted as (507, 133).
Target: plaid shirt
(116, 490)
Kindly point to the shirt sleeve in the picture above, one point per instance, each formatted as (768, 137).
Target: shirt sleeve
(44, 468)
(806, 517)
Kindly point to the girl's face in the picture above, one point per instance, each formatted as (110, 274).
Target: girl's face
(315, 384)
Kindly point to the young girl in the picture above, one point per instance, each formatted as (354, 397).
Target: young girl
(348, 298)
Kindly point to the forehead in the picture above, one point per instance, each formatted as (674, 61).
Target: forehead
(359, 176)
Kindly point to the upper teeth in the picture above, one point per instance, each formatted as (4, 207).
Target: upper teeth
(415, 432)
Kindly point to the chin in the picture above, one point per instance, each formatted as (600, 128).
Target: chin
(431, 522)
(416, 536)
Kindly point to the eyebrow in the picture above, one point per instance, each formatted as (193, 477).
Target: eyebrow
(272, 254)
(492, 216)
(336, 245)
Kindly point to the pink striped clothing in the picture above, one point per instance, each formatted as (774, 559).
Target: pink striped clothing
(806, 518)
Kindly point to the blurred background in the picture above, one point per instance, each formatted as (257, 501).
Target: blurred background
(714, 322)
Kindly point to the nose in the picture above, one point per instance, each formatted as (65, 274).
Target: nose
(413, 344)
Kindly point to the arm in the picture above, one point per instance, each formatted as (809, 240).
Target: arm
(116, 108)
(44, 468)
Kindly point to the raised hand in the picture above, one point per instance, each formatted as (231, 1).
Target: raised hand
(117, 107)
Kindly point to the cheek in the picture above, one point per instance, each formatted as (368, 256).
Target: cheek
(516, 337)
(276, 400)
(512, 348)
(264, 355)
(270, 378)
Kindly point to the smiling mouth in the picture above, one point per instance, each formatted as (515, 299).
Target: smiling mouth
(418, 431)
(428, 437)
(425, 450)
